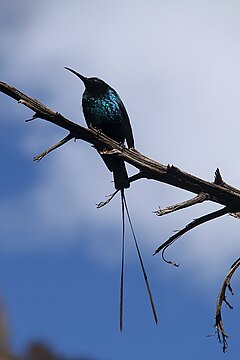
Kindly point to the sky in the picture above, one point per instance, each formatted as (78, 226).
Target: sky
(175, 65)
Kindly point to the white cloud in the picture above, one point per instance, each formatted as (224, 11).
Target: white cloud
(176, 65)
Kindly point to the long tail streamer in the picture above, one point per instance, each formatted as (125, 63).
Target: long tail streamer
(124, 206)
(122, 262)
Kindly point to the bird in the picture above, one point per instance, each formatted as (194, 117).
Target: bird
(104, 110)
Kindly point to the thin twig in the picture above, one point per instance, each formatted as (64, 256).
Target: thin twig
(138, 176)
(109, 198)
(188, 227)
(196, 200)
(135, 177)
(221, 334)
(60, 143)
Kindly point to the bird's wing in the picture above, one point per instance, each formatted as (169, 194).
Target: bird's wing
(126, 124)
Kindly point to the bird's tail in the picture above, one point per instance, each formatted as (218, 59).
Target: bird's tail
(118, 168)
(125, 207)
(120, 175)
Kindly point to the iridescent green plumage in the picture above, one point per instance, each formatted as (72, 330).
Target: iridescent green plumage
(104, 110)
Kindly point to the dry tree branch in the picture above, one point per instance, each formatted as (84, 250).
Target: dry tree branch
(135, 177)
(196, 200)
(217, 191)
(54, 147)
(222, 335)
(196, 222)
(149, 168)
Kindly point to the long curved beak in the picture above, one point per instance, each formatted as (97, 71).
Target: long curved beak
(83, 78)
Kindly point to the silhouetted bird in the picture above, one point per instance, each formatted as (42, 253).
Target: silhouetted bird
(104, 110)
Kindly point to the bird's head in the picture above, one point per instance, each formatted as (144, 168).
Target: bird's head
(92, 84)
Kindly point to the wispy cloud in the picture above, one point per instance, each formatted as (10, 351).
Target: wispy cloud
(177, 70)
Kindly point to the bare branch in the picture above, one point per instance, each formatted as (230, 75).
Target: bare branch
(109, 198)
(135, 177)
(150, 168)
(199, 221)
(60, 143)
(196, 200)
(138, 176)
(217, 191)
(221, 334)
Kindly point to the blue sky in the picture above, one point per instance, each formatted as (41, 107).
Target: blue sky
(176, 66)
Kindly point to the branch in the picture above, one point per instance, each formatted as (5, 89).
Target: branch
(196, 222)
(217, 191)
(149, 168)
(54, 147)
(196, 200)
(221, 334)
